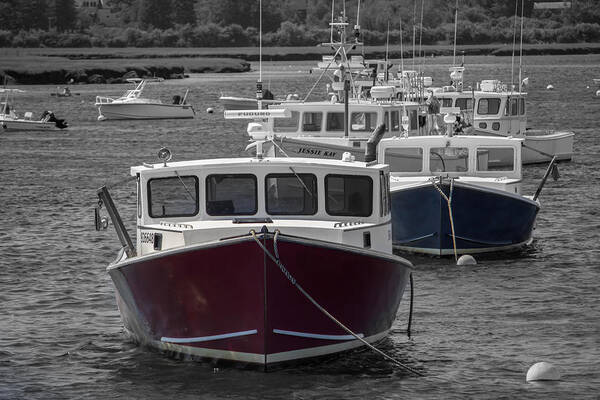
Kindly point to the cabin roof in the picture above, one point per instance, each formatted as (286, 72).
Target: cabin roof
(457, 140)
(252, 163)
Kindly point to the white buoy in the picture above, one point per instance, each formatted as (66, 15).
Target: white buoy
(210, 110)
(543, 371)
(598, 93)
(549, 87)
(466, 259)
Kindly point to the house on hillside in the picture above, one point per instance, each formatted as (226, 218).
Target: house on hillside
(94, 12)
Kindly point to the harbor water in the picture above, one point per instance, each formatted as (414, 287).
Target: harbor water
(476, 329)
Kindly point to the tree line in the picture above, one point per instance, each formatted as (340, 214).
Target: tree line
(212, 23)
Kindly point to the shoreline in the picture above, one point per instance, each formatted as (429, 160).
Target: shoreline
(114, 65)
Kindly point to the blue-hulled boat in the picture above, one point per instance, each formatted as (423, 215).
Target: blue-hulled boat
(450, 197)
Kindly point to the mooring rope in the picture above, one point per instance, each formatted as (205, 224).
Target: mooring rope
(293, 281)
(449, 201)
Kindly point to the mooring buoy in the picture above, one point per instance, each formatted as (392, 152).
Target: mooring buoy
(210, 110)
(598, 93)
(466, 259)
(543, 371)
(549, 87)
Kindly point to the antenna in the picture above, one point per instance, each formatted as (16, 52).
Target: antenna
(455, 25)
(512, 64)
(259, 93)
(521, 50)
(387, 46)
(414, 33)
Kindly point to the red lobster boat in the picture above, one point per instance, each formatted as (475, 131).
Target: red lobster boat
(258, 260)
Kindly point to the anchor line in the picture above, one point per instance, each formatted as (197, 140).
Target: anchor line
(449, 202)
(288, 275)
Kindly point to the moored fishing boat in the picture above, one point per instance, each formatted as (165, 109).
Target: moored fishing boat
(132, 106)
(236, 259)
(461, 200)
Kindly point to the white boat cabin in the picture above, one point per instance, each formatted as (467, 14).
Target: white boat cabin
(481, 160)
(326, 119)
(186, 203)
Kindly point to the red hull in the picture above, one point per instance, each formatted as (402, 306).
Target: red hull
(229, 300)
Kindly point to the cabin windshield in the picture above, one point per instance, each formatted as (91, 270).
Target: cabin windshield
(173, 196)
(488, 106)
(231, 194)
(311, 121)
(349, 195)
(291, 194)
(448, 159)
(409, 159)
(363, 121)
(495, 159)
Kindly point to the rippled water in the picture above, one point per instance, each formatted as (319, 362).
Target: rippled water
(476, 331)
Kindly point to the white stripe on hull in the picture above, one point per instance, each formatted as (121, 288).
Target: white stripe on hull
(208, 338)
(145, 111)
(255, 358)
(317, 335)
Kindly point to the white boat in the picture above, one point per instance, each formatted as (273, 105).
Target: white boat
(10, 120)
(248, 259)
(495, 109)
(132, 106)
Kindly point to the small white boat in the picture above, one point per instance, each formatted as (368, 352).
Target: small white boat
(132, 106)
(11, 121)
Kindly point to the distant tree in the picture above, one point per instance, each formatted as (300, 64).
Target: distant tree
(155, 14)
(183, 12)
(34, 13)
(65, 13)
(246, 13)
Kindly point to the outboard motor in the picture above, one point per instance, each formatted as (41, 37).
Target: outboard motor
(50, 117)
(371, 150)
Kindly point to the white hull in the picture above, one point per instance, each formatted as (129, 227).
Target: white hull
(26, 125)
(144, 111)
(559, 144)
(243, 103)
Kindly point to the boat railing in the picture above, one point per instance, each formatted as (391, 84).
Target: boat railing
(104, 100)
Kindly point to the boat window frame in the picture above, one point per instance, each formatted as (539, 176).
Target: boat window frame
(328, 121)
(303, 123)
(206, 194)
(343, 214)
(496, 170)
(373, 117)
(315, 195)
(488, 99)
(386, 151)
(176, 177)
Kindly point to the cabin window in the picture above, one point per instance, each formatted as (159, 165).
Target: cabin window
(522, 106)
(287, 124)
(363, 121)
(464, 103)
(414, 122)
(335, 121)
(495, 159)
(311, 121)
(231, 194)
(446, 102)
(385, 201)
(291, 194)
(408, 159)
(175, 196)
(392, 120)
(448, 159)
(512, 107)
(488, 106)
(349, 195)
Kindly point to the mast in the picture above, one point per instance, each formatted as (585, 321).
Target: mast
(455, 25)
(259, 92)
